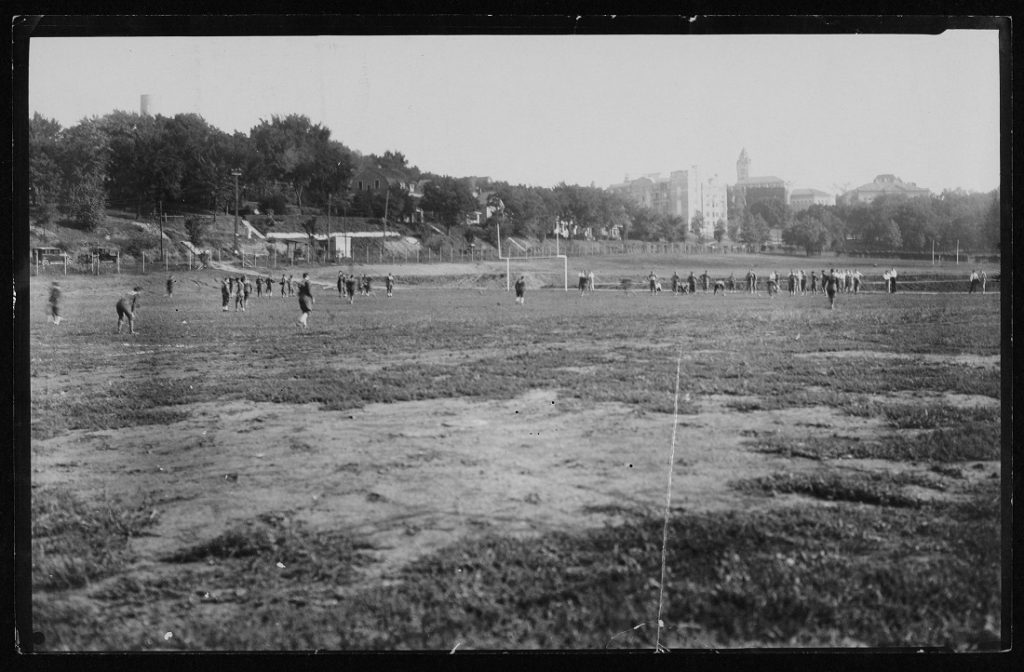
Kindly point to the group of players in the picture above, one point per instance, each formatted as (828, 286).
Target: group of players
(240, 287)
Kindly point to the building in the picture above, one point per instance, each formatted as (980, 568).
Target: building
(681, 193)
(378, 180)
(801, 199)
(883, 185)
(749, 190)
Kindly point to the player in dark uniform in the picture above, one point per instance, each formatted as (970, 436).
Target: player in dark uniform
(350, 288)
(691, 283)
(521, 290)
(704, 280)
(341, 283)
(126, 310)
(282, 283)
(831, 286)
(259, 287)
(719, 285)
(170, 285)
(225, 293)
(306, 300)
(54, 303)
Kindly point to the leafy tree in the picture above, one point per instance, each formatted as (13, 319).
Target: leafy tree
(991, 223)
(83, 158)
(195, 229)
(300, 153)
(775, 213)
(697, 226)
(449, 199)
(719, 231)
(807, 232)
(44, 142)
(311, 228)
(753, 229)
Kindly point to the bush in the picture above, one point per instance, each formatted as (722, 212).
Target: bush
(274, 203)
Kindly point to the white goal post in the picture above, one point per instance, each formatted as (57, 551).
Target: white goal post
(538, 264)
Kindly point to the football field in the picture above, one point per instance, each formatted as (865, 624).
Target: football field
(448, 469)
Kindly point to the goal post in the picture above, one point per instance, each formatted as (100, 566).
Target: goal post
(552, 269)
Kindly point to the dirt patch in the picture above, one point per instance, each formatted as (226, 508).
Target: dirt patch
(410, 478)
(979, 361)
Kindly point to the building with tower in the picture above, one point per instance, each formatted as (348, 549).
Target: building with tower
(749, 190)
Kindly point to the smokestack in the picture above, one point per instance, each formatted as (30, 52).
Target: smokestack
(147, 105)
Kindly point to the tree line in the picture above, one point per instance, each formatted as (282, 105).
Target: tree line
(183, 164)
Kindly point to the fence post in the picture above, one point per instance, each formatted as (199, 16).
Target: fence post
(143, 263)
(65, 264)
(119, 262)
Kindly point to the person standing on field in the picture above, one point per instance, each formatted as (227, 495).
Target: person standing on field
(521, 290)
(857, 275)
(831, 286)
(984, 280)
(802, 278)
(652, 280)
(54, 303)
(306, 300)
(704, 280)
(389, 285)
(350, 288)
(691, 283)
(239, 299)
(341, 283)
(170, 285)
(590, 281)
(814, 282)
(126, 310)
(259, 287)
(282, 283)
(975, 281)
(225, 294)
(246, 291)
(582, 284)
(291, 286)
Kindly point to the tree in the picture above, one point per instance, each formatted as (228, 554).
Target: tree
(809, 233)
(753, 229)
(195, 229)
(300, 153)
(43, 159)
(83, 158)
(697, 226)
(311, 227)
(449, 199)
(719, 231)
(775, 213)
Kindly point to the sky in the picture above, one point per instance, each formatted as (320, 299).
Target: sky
(820, 111)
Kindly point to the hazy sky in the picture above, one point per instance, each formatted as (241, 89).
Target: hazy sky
(816, 110)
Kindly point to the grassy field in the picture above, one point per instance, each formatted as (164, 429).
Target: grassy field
(448, 469)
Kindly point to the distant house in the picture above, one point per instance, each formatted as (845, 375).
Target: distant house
(883, 185)
(801, 199)
(378, 180)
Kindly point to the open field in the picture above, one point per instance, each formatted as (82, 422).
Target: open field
(446, 468)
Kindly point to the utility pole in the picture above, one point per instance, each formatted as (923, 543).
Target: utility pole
(236, 172)
(384, 224)
(162, 230)
(329, 198)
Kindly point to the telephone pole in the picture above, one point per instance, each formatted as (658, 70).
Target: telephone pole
(236, 172)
